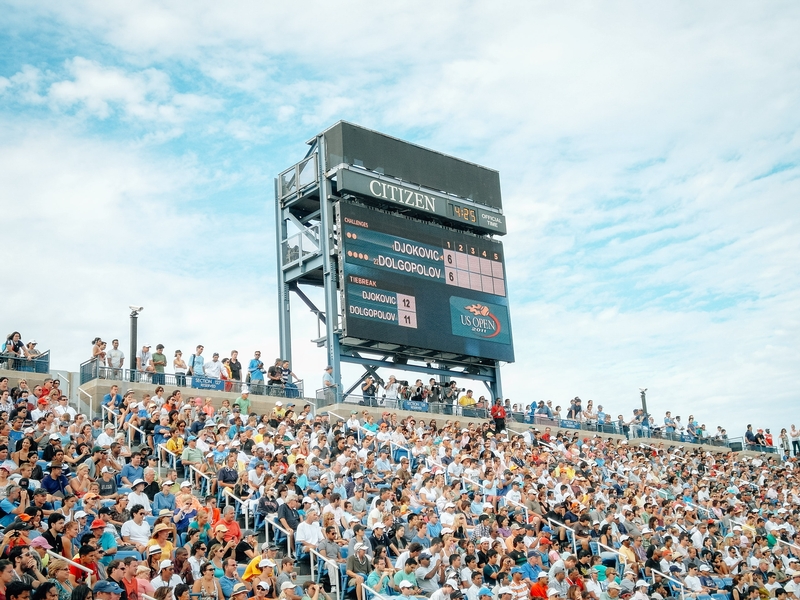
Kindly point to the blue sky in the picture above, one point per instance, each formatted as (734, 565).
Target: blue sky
(648, 158)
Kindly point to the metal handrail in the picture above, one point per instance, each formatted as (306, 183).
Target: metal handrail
(205, 476)
(163, 447)
(92, 369)
(565, 526)
(242, 507)
(72, 563)
(377, 595)
(140, 431)
(697, 507)
(112, 412)
(433, 463)
(620, 556)
(91, 402)
(793, 546)
(659, 491)
(289, 534)
(522, 506)
(333, 567)
(673, 580)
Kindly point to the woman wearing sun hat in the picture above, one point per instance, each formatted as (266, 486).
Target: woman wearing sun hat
(159, 538)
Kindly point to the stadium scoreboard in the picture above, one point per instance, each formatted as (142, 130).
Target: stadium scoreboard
(415, 284)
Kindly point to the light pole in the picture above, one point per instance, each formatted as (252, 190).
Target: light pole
(642, 393)
(135, 310)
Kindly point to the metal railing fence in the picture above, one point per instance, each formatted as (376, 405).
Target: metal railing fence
(37, 364)
(92, 369)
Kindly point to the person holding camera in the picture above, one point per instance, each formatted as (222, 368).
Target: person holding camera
(368, 390)
(434, 391)
(418, 391)
(15, 503)
(451, 394)
(392, 390)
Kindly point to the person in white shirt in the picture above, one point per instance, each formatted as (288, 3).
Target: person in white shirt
(213, 368)
(792, 587)
(692, 582)
(448, 517)
(137, 496)
(443, 593)
(309, 532)
(699, 535)
(166, 576)
(115, 357)
(514, 495)
(63, 408)
(136, 531)
(105, 439)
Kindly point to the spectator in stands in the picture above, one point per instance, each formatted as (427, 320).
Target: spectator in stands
(213, 369)
(115, 359)
(196, 362)
(144, 363)
(159, 361)
(208, 586)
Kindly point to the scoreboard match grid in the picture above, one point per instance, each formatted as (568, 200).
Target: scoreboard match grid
(403, 281)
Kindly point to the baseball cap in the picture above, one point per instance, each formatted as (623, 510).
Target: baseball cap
(164, 564)
(106, 586)
(403, 584)
(484, 591)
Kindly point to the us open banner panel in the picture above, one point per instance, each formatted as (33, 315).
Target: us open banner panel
(419, 285)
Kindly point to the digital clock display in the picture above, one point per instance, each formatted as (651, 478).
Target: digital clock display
(465, 214)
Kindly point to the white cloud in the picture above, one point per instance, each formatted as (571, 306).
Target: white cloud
(146, 95)
(646, 246)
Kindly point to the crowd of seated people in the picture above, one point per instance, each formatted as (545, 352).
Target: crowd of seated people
(382, 505)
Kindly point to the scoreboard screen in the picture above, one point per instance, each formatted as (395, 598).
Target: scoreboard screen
(419, 285)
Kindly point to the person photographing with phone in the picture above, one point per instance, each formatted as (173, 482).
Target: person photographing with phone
(15, 503)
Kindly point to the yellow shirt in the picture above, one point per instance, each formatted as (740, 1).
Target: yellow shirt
(175, 445)
(467, 400)
(166, 548)
(252, 569)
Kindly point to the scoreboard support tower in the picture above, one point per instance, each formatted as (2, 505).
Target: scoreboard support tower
(310, 246)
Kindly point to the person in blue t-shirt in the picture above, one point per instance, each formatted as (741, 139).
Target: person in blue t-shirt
(132, 471)
(55, 481)
(15, 503)
(112, 398)
(184, 515)
(165, 498)
(256, 371)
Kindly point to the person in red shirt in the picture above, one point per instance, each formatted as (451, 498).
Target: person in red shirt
(498, 413)
(88, 557)
(539, 589)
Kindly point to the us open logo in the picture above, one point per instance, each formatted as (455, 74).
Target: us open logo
(481, 321)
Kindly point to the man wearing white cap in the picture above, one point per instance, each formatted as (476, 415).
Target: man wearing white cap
(358, 568)
(612, 591)
(448, 517)
(443, 593)
(166, 576)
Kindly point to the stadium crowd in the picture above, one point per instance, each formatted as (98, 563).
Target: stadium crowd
(388, 506)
